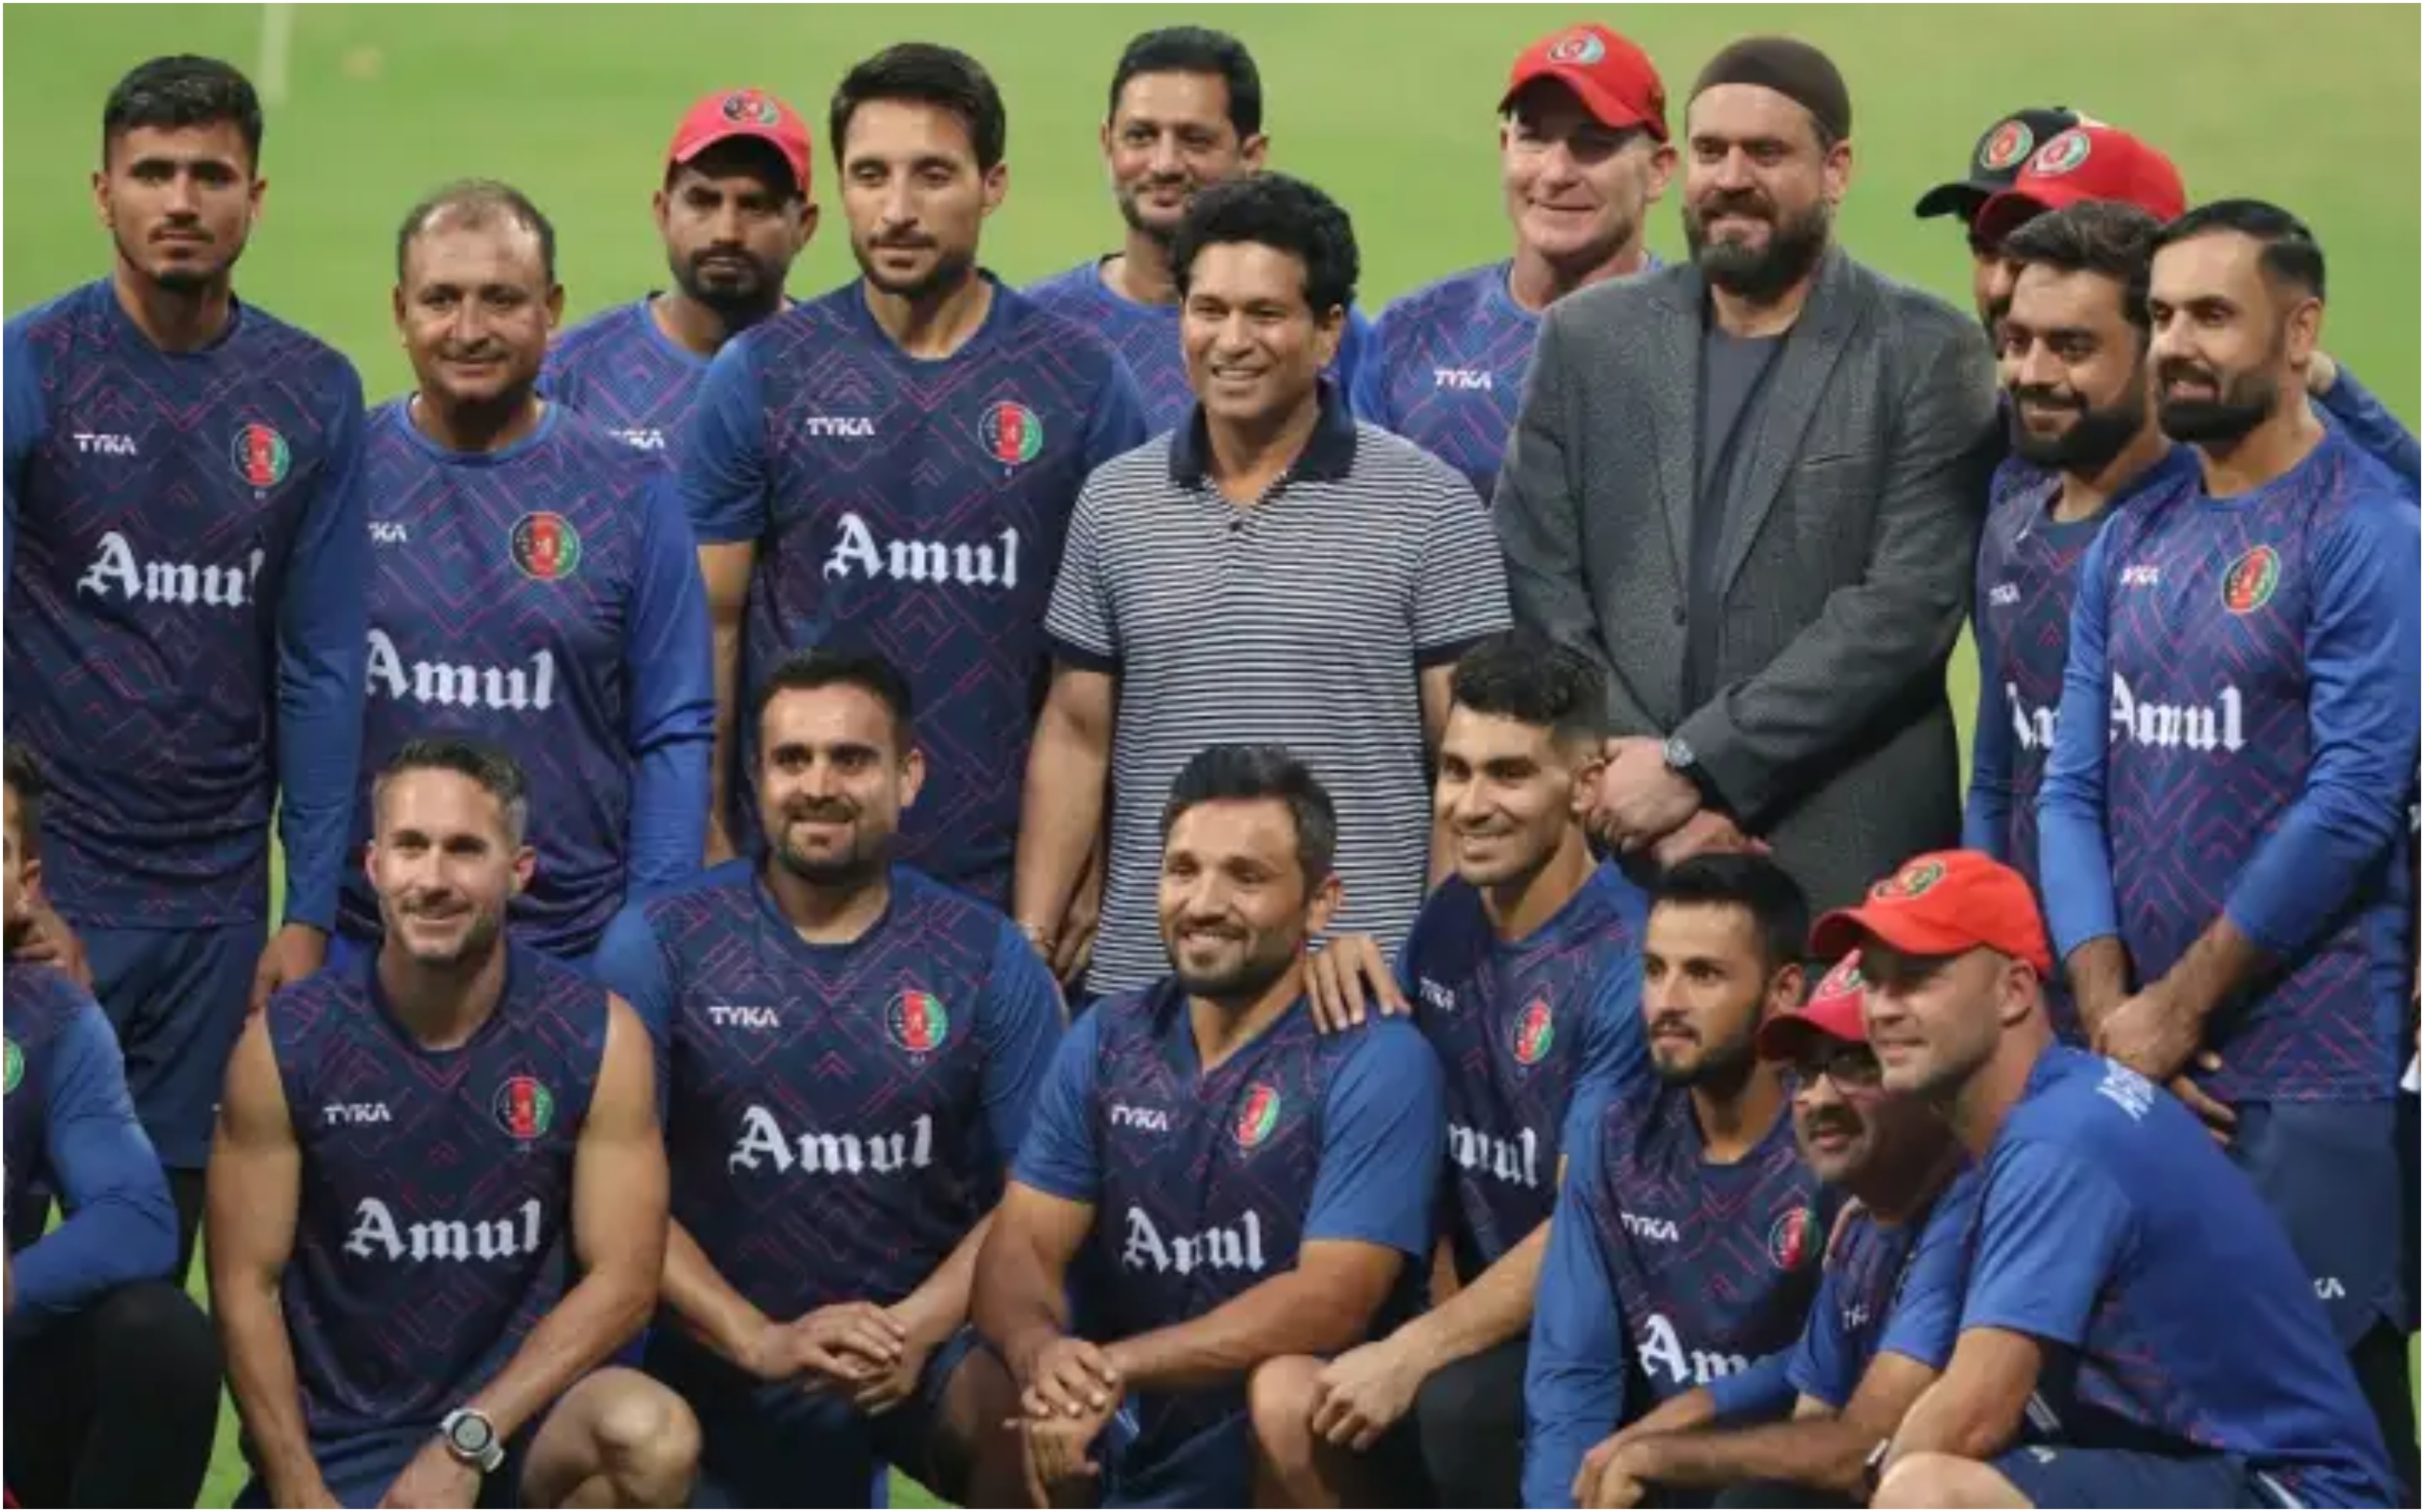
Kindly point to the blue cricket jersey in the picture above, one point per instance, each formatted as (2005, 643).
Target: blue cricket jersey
(1206, 1184)
(838, 1116)
(2239, 733)
(1534, 1036)
(1665, 1272)
(1147, 339)
(435, 1229)
(622, 371)
(188, 545)
(71, 1130)
(2113, 1230)
(1888, 1290)
(544, 597)
(917, 509)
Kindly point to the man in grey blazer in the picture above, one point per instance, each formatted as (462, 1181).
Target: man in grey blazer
(1750, 486)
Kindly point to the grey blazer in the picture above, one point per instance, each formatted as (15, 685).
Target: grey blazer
(1850, 538)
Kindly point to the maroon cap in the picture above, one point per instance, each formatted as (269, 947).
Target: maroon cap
(753, 113)
(1944, 905)
(1832, 1012)
(2087, 162)
(1615, 80)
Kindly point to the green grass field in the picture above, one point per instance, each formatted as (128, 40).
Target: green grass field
(1389, 109)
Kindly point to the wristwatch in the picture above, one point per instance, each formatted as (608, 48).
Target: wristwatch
(1685, 763)
(1873, 1470)
(471, 1439)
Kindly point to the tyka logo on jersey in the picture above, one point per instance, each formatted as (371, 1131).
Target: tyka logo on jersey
(1643, 1226)
(523, 1107)
(743, 1016)
(95, 443)
(1150, 1119)
(353, 1113)
(1469, 380)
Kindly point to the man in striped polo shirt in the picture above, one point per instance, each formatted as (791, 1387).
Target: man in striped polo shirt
(1268, 572)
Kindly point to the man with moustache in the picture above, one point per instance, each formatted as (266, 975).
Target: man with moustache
(851, 1050)
(733, 210)
(1186, 113)
(2100, 1363)
(2223, 822)
(1888, 1299)
(1524, 968)
(1582, 156)
(1686, 1237)
(534, 585)
(1751, 490)
(892, 467)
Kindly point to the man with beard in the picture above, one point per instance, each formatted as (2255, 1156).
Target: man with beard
(733, 212)
(1186, 113)
(2134, 1331)
(853, 1050)
(1525, 972)
(437, 1197)
(1888, 1300)
(188, 546)
(1686, 1238)
(892, 467)
(1210, 1182)
(533, 585)
(113, 1374)
(2223, 821)
(1751, 490)
(1582, 155)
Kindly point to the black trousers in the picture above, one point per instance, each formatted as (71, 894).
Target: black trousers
(1468, 1422)
(116, 1406)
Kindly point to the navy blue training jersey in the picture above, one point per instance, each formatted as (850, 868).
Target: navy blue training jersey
(1206, 1184)
(2239, 732)
(622, 371)
(435, 1229)
(1888, 1290)
(917, 509)
(1536, 1036)
(838, 1116)
(1665, 1272)
(2177, 1317)
(1147, 338)
(546, 598)
(186, 553)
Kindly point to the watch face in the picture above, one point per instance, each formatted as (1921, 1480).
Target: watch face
(470, 1435)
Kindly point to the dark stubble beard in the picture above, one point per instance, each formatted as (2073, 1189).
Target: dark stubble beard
(2093, 440)
(2243, 402)
(1759, 275)
(951, 270)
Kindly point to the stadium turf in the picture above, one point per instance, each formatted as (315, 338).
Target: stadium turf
(1388, 108)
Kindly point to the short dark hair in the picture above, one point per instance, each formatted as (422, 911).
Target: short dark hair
(1284, 213)
(179, 92)
(1196, 50)
(870, 672)
(1246, 774)
(2105, 237)
(1753, 883)
(24, 776)
(1522, 674)
(926, 73)
(492, 767)
(476, 202)
(2292, 255)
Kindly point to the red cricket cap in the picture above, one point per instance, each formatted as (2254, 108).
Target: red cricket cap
(729, 113)
(1832, 1012)
(2088, 162)
(1944, 905)
(1615, 80)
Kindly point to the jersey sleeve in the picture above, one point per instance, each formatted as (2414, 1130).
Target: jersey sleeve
(1616, 1058)
(120, 1225)
(2362, 711)
(1058, 1156)
(1763, 1392)
(2074, 857)
(1824, 1365)
(2053, 1226)
(630, 964)
(323, 625)
(670, 669)
(1021, 1019)
(1986, 818)
(1383, 1136)
(2368, 423)
(1573, 1372)
(1117, 426)
(1080, 623)
(1368, 386)
(1459, 580)
(1925, 1317)
(1356, 351)
(724, 450)
(21, 383)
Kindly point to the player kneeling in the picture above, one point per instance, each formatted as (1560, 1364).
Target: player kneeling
(437, 1197)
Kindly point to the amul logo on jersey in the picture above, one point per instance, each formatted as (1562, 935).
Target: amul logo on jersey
(857, 552)
(114, 572)
(2221, 726)
(376, 1236)
(1662, 1353)
(1516, 1161)
(1238, 1248)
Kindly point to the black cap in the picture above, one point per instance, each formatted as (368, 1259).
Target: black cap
(1995, 161)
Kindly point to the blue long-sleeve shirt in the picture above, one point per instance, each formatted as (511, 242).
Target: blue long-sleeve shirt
(2239, 736)
(71, 1129)
(187, 554)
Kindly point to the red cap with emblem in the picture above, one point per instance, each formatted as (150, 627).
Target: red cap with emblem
(1615, 80)
(2087, 162)
(752, 113)
(1944, 905)
(1832, 1012)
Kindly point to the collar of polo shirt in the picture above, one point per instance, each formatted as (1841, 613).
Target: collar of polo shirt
(1329, 456)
